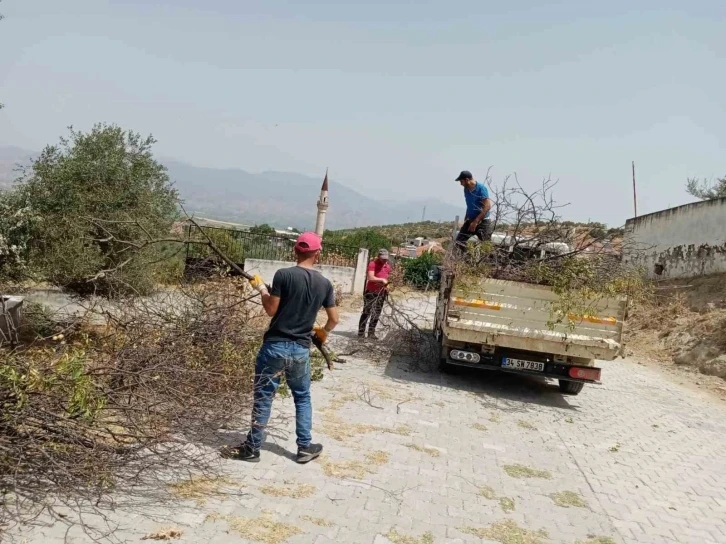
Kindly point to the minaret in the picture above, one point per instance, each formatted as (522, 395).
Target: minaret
(322, 207)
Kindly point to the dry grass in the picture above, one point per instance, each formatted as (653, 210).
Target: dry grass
(377, 458)
(693, 307)
(262, 529)
(291, 490)
(566, 499)
(507, 532)
(596, 540)
(526, 425)
(398, 538)
(200, 489)
(355, 469)
(433, 452)
(400, 430)
(522, 471)
(506, 504)
(342, 431)
(479, 427)
(348, 469)
(338, 429)
(167, 533)
(494, 418)
(320, 522)
(487, 492)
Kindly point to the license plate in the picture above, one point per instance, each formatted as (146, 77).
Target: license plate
(519, 364)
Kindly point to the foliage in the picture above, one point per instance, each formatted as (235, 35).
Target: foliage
(582, 283)
(89, 199)
(397, 234)
(416, 271)
(369, 238)
(170, 267)
(264, 228)
(16, 220)
(38, 321)
(113, 406)
(706, 190)
(228, 241)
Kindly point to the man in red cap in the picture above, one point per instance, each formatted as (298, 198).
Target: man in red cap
(293, 302)
(375, 294)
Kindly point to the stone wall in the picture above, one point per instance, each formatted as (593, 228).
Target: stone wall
(681, 242)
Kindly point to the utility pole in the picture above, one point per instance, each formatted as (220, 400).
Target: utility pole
(635, 199)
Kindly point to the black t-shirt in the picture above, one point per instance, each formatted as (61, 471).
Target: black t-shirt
(302, 292)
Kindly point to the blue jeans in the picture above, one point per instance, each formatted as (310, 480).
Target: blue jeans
(274, 360)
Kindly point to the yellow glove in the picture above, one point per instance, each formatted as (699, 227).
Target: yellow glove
(320, 333)
(259, 284)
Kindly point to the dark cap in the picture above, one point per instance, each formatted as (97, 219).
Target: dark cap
(465, 174)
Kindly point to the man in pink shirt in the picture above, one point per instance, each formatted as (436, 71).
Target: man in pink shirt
(375, 294)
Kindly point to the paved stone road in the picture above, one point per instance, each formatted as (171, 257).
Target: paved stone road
(416, 458)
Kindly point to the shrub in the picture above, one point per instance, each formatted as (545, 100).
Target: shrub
(416, 271)
(89, 201)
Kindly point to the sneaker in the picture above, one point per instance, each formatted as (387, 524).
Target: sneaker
(305, 455)
(243, 452)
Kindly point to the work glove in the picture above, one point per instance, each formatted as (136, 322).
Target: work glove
(320, 333)
(258, 284)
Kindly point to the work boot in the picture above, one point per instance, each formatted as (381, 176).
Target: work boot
(372, 336)
(243, 452)
(305, 455)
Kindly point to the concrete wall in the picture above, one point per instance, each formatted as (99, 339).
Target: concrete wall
(361, 271)
(338, 275)
(680, 242)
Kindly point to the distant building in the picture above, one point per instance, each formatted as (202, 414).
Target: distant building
(322, 207)
(417, 247)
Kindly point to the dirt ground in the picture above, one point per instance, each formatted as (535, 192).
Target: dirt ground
(682, 319)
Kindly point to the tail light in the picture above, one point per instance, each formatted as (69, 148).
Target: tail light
(580, 373)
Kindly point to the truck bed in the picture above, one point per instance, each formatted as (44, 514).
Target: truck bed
(516, 315)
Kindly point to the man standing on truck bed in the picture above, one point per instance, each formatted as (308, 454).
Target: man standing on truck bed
(375, 293)
(296, 296)
(478, 204)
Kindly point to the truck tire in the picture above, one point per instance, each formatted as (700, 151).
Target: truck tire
(570, 388)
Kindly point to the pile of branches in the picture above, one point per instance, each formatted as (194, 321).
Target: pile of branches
(114, 406)
(532, 244)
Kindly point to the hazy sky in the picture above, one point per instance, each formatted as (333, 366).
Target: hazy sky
(395, 97)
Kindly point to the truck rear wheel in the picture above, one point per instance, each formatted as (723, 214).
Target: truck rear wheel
(571, 388)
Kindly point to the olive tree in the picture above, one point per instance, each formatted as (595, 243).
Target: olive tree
(91, 198)
(706, 190)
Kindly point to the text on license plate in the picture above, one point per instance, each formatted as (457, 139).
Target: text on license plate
(519, 364)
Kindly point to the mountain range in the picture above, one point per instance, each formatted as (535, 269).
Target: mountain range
(281, 199)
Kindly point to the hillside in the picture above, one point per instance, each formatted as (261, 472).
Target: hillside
(395, 234)
(281, 199)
